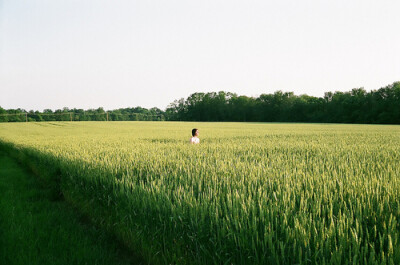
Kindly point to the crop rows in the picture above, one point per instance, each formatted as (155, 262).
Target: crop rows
(248, 194)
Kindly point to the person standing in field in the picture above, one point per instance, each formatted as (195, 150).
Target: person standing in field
(195, 137)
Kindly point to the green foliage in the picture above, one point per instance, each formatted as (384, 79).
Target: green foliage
(99, 114)
(37, 229)
(248, 194)
(356, 106)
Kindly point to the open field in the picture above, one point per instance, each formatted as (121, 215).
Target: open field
(250, 193)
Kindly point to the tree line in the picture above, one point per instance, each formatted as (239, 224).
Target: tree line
(66, 114)
(380, 106)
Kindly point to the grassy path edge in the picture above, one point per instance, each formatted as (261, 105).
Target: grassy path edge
(64, 234)
(104, 211)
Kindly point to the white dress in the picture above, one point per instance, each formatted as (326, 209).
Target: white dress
(194, 140)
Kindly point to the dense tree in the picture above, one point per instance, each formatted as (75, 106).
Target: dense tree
(3, 117)
(66, 114)
(356, 106)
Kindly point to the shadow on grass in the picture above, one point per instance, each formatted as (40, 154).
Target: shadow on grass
(36, 229)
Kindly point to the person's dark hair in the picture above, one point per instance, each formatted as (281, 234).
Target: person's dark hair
(194, 131)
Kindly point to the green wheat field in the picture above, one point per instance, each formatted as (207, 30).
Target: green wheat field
(250, 193)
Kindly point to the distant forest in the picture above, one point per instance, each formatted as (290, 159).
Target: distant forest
(380, 106)
(66, 114)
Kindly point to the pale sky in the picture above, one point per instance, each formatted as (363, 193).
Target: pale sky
(113, 54)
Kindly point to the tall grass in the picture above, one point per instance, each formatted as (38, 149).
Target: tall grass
(249, 194)
(37, 228)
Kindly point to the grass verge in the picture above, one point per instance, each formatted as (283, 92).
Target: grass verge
(36, 228)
